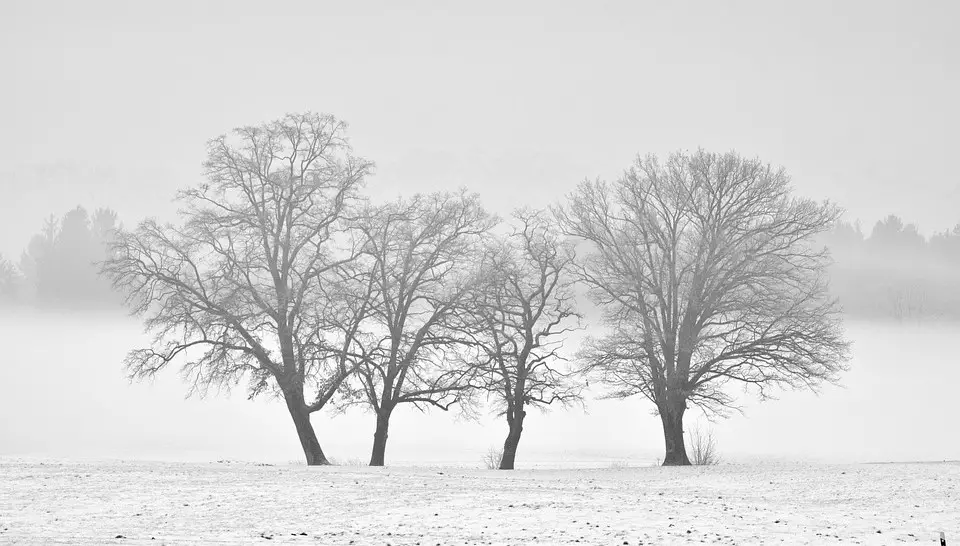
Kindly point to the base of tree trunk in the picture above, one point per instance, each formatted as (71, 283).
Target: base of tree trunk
(675, 450)
(316, 459)
(508, 458)
(308, 437)
(378, 455)
(673, 459)
(511, 444)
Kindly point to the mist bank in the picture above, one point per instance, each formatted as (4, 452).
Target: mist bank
(58, 268)
(895, 272)
(65, 395)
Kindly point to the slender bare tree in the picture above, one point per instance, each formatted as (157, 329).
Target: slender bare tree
(526, 309)
(706, 272)
(242, 288)
(423, 254)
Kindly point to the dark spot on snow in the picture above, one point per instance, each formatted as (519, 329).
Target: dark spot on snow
(119, 536)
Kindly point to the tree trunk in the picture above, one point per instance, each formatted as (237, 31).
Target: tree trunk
(380, 438)
(308, 438)
(512, 441)
(676, 451)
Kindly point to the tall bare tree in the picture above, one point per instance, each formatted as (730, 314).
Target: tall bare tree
(242, 288)
(423, 255)
(706, 272)
(526, 309)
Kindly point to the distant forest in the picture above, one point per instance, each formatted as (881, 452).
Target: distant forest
(892, 273)
(58, 267)
(895, 272)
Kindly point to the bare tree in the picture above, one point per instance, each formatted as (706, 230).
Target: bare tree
(423, 257)
(525, 309)
(706, 273)
(241, 290)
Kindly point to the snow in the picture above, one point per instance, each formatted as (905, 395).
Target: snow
(94, 502)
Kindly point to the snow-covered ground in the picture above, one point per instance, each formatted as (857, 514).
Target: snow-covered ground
(61, 502)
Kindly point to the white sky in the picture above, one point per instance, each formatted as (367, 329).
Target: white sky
(110, 103)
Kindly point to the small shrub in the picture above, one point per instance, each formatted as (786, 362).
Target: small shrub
(702, 446)
(492, 458)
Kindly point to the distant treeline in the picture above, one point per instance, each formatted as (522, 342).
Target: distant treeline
(892, 273)
(58, 267)
(895, 272)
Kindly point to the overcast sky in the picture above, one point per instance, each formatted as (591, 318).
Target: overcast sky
(110, 103)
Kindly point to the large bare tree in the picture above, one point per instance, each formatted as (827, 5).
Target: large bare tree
(246, 286)
(707, 274)
(526, 309)
(423, 255)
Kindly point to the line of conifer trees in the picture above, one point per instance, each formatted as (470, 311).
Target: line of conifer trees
(58, 266)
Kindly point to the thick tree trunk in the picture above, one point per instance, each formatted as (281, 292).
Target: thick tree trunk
(512, 441)
(308, 438)
(380, 439)
(676, 451)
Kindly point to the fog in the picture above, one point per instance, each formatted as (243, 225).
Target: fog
(65, 396)
(109, 104)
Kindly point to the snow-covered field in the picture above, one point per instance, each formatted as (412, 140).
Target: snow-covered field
(55, 502)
